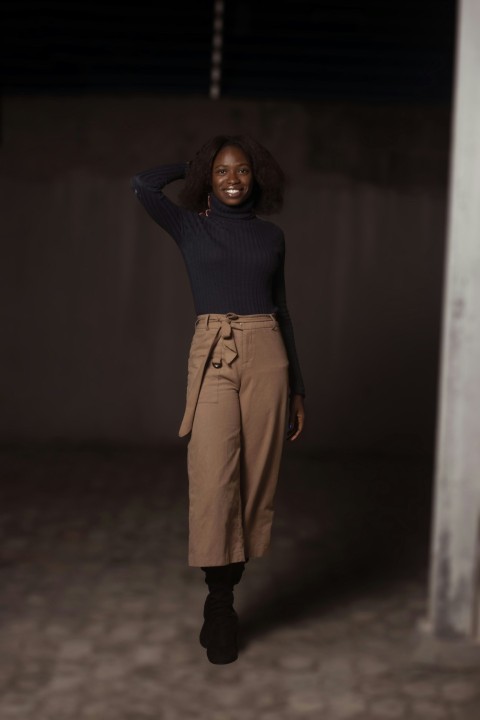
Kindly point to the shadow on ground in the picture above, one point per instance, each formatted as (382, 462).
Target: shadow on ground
(341, 524)
(344, 528)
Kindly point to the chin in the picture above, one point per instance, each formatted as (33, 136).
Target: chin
(238, 200)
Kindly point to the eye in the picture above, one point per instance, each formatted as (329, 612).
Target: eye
(245, 171)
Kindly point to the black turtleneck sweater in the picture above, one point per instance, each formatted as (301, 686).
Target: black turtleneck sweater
(234, 260)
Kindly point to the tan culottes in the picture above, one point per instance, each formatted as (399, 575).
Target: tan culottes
(236, 411)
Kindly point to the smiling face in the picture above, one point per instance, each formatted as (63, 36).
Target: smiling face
(232, 176)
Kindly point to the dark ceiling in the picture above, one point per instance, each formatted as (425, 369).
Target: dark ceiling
(375, 50)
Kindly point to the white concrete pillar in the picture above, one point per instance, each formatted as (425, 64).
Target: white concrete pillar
(454, 609)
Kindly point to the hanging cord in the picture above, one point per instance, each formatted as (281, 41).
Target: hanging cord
(217, 44)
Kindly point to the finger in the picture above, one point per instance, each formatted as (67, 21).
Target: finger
(300, 423)
(291, 421)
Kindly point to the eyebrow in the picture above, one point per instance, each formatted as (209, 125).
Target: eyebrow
(247, 164)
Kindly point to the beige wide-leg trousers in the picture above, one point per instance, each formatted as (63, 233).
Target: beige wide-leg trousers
(236, 411)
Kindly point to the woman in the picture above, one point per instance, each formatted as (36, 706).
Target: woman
(243, 372)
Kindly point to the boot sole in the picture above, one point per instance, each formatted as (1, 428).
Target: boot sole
(221, 658)
(218, 658)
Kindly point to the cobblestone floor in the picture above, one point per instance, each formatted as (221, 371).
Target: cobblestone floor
(100, 612)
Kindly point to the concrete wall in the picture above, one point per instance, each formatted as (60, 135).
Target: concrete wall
(95, 304)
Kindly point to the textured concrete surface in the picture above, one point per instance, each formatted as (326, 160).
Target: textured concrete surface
(100, 612)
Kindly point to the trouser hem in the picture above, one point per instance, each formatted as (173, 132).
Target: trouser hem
(238, 557)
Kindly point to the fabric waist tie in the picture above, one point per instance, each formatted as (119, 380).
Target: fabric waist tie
(224, 324)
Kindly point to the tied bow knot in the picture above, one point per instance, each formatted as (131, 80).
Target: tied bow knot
(229, 347)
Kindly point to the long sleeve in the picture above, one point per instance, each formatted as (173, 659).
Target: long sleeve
(280, 299)
(148, 187)
(229, 254)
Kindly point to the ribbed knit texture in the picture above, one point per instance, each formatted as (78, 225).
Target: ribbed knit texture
(235, 260)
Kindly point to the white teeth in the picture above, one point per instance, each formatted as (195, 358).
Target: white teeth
(232, 192)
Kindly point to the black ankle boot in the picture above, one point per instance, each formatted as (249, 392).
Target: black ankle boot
(219, 634)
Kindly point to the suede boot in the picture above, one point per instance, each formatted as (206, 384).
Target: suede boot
(219, 634)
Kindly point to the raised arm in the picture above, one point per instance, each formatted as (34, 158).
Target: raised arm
(279, 297)
(148, 186)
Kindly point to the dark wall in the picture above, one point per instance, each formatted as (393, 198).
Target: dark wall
(96, 309)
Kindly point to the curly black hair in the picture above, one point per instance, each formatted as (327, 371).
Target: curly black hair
(269, 179)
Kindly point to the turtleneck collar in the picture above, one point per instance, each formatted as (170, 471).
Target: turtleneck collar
(244, 211)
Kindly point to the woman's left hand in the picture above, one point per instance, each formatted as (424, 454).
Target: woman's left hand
(297, 416)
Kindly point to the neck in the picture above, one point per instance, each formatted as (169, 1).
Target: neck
(244, 211)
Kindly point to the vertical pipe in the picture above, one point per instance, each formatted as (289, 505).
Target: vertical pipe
(217, 46)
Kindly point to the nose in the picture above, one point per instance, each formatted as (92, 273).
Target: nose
(232, 177)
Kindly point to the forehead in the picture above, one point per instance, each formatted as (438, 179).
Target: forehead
(231, 155)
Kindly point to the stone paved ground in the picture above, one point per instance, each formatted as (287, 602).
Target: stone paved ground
(100, 612)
